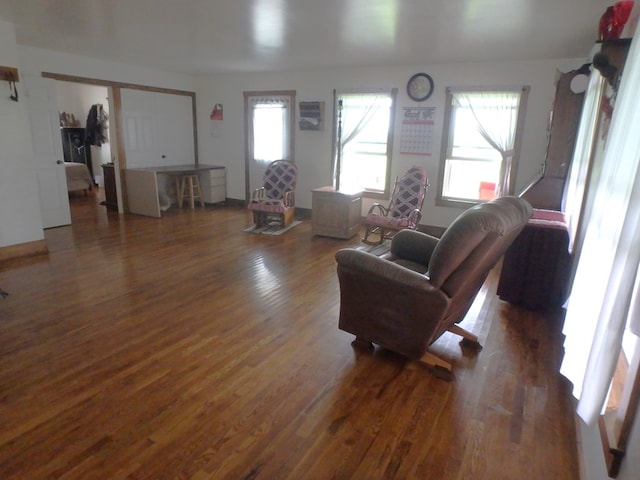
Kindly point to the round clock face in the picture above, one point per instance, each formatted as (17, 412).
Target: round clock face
(420, 87)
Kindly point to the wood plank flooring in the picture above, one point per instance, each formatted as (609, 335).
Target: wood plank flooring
(184, 348)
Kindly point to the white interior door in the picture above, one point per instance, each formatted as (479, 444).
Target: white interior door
(42, 106)
(158, 128)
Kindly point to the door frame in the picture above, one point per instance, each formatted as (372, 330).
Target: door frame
(119, 155)
(247, 152)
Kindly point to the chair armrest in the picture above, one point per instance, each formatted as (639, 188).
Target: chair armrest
(289, 198)
(415, 215)
(257, 194)
(373, 266)
(414, 246)
(378, 209)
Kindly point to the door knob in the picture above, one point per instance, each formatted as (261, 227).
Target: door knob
(59, 162)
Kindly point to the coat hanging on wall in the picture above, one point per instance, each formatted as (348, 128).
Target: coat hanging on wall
(97, 126)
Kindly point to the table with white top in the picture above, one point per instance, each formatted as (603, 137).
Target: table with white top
(149, 189)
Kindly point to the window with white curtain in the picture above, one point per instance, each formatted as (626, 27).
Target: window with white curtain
(364, 139)
(481, 142)
(583, 162)
(270, 124)
(269, 132)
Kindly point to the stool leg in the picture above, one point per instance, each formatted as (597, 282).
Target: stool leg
(199, 190)
(190, 192)
(180, 190)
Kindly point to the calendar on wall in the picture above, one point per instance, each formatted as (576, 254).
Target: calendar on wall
(416, 135)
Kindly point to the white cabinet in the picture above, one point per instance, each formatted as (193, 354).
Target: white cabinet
(335, 214)
(213, 183)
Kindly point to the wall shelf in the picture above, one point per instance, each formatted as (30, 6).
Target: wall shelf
(9, 74)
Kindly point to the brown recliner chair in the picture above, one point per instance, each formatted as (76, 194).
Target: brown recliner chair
(406, 299)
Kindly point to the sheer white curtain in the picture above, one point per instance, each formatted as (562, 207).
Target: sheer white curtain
(580, 163)
(270, 117)
(496, 114)
(354, 112)
(606, 276)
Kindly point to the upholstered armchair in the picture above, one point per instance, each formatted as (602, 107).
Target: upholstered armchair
(275, 200)
(406, 299)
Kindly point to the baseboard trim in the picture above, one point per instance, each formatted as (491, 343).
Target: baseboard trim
(27, 249)
(235, 202)
(305, 214)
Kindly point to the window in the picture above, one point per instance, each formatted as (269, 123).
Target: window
(481, 142)
(269, 133)
(364, 134)
(269, 125)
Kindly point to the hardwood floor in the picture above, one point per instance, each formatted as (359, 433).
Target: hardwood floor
(185, 348)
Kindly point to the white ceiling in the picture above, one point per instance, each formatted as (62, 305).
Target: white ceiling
(209, 36)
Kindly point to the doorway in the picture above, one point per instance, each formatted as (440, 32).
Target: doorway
(117, 132)
(84, 141)
(269, 133)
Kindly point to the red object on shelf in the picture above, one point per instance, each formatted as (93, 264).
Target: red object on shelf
(613, 20)
(622, 11)
(608, 29)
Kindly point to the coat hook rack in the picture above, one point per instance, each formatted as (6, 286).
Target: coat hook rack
(10, 74)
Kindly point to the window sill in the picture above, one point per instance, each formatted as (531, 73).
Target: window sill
(376, 195)
(457, 203)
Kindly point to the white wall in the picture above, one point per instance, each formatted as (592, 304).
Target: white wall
(37, 60)
(77, 98)
(20, 218)
(313, 149)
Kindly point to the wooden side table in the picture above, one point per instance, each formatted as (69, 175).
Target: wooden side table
(110, 195)
(335, 214)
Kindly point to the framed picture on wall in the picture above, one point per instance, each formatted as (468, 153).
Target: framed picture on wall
(311, 116)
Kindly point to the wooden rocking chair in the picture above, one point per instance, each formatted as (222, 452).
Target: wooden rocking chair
(275, 201)
(403, 210)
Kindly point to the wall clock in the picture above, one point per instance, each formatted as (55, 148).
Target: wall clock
(420, 87)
